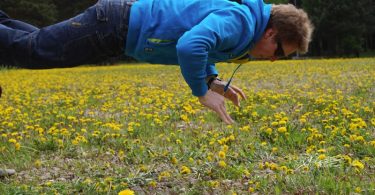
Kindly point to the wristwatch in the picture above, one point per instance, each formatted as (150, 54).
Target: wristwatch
(211, 79)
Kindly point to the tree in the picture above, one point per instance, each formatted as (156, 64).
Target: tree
(340, 25)
(69, 8)
(36, 12)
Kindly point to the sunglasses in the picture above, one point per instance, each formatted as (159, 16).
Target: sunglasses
(279, 52)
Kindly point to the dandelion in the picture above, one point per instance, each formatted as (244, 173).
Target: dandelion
(268, 131)
(222, 164)
(321, 150)
(152, 184)
(274, 124)
(126, 192)
(12, 141)
(87, 181)
(17, 146)
(281, 129)
(282, 123)
(214, 184)
(358, 164)
(185, 170)
(225, 148)
(322, 157)
(164, 175)
(38, 163)
(174, 160)
(184, 117)
(222, 154)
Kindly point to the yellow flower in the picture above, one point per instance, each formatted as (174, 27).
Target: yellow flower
(214, 184)
(358, 189)
(164, 174)
(222, 164)
(152, 184)
(274, 124)
(12, 141)
(322, 157)
(281, 129)
(174, 160)
(17, 146)
(268, 131)
(282, 123)
(38, 163)
(226, 147)
(87, 181)
(222, 154)
(358, 164)
(185, 170)
(126, 192)
(48, 183)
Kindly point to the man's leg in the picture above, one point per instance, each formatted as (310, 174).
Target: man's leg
(10, 37)
(90, 37)
(15, 24)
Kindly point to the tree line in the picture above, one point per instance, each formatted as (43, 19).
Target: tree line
(342, 27)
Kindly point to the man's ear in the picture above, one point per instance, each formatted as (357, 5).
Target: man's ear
(270, 33)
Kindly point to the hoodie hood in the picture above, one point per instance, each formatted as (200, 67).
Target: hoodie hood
(262, 16)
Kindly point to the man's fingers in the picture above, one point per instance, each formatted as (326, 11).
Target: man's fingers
(238, 90)
(232, 96)
(221, 110)
(224, 110)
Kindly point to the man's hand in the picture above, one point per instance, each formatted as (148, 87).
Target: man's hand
(216, 102)
(231, 94)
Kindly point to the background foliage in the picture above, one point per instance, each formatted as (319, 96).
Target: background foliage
(342, 27)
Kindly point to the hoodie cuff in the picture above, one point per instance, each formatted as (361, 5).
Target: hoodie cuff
(199, 88)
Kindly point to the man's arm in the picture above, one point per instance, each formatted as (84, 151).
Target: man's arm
(221, 30)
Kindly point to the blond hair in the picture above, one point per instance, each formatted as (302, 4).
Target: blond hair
(293, 25)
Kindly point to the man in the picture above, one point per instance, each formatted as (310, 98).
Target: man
(192, 33)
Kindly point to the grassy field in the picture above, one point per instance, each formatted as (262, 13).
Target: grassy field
(307, 127)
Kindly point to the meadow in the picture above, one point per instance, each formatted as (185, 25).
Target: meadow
(307, 127)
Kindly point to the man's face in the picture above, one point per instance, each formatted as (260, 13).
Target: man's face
(270, 48)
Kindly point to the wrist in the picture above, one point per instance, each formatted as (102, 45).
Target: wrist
(211, 80)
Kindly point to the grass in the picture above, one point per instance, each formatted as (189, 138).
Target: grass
(307, 127)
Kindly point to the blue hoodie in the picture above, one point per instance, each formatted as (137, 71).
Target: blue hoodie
(194, 34)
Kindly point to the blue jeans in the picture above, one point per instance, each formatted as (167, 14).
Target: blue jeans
(93, 36)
